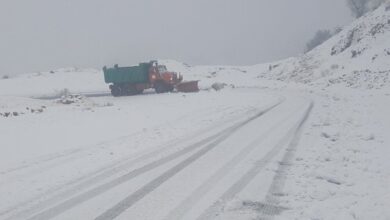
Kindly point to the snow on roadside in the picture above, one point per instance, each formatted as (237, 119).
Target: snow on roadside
(341, 170)
(53, 83)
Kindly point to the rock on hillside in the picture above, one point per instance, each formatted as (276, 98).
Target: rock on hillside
(357, 57)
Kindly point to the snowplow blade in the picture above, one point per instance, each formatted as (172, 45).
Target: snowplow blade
(190, 86)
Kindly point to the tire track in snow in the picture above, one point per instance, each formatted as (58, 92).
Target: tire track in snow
(146, 189)
(271, 207)
(74, 201)
(43, 200)
(189, 202)
(91, 193)
(213, 210)
(61, 157)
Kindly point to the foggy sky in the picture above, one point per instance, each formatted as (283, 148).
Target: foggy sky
(40, 35)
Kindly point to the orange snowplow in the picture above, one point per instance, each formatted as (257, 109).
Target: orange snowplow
(189, 86)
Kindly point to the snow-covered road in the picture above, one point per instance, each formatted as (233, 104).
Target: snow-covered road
(228, 153)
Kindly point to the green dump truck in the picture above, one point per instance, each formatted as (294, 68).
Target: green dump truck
(135, 79)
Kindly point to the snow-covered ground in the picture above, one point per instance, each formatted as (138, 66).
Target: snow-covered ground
(83, 153)
(341, 169)
(303, 138)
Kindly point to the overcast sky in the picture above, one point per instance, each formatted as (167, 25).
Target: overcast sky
(40, 35)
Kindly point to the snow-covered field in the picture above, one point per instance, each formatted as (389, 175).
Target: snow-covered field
(303, 138)
(83, 159)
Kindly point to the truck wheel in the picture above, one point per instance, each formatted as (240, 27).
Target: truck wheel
(160, 88)
(132, 90)
(170, 88)
(140, 91)
(116, 91)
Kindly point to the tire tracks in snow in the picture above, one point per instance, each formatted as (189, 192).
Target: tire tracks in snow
(179, 211)
(52, 196)
(57, 159)
(91, 193)
(271, 206)
(216, 208)
(126, 203)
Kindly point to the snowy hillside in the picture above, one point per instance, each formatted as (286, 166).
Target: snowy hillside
(357, 57)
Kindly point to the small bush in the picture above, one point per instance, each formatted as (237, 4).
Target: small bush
(108, 104)
(5, 77)
(320, 37)
(63, 93)
(361, 7)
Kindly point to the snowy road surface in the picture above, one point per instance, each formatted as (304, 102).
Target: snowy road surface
(228, 153)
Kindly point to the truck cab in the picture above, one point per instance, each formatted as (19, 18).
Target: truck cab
(162, 79)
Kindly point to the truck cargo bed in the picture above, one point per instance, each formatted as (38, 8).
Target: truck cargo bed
(133, 74)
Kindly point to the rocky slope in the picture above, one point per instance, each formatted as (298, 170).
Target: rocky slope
(357, 57)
